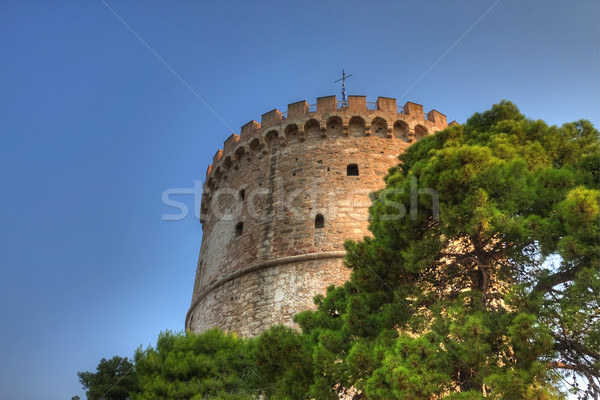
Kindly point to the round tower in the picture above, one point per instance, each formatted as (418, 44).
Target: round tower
(281, 198)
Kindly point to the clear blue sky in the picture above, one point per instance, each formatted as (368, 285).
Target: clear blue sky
(94, 128)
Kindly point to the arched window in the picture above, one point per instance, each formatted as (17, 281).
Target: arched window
(242, 194)
(271, 138)
(356, 126)
(319, 221)
(312, 129)
(335, 127)
(401, 130)
(379, 127)
(420, 132)
(239, 229)
(291, 133)
(352, 170)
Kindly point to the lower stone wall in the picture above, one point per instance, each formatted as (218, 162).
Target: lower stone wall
(249, 303)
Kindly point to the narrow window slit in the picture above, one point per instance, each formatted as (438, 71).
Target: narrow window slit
(319, 221)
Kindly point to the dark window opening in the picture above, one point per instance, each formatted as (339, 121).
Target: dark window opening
(352, 170)
(239, 229)
(242, 194)
(319, 221)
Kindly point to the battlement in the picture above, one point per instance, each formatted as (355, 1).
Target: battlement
(283, 195)
(383, 117)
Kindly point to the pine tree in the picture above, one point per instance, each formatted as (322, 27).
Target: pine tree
(482, 275)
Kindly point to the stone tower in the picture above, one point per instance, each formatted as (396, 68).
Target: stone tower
(280, 199)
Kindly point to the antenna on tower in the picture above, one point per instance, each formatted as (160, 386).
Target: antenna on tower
(343, 79)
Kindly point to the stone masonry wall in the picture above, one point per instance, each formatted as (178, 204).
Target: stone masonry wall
(262, 257)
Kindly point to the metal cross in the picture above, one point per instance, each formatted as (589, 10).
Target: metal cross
(343, 79)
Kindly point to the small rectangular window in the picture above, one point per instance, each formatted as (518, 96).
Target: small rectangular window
(352, 170)
(319, 221)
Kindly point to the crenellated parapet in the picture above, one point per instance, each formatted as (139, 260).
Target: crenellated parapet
(327, 119)
(381, 118)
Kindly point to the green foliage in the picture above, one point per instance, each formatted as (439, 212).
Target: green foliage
(481, 280)
(497, 295)
(114, 379)
(413, 368)
(283, 363)
(188, 366)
